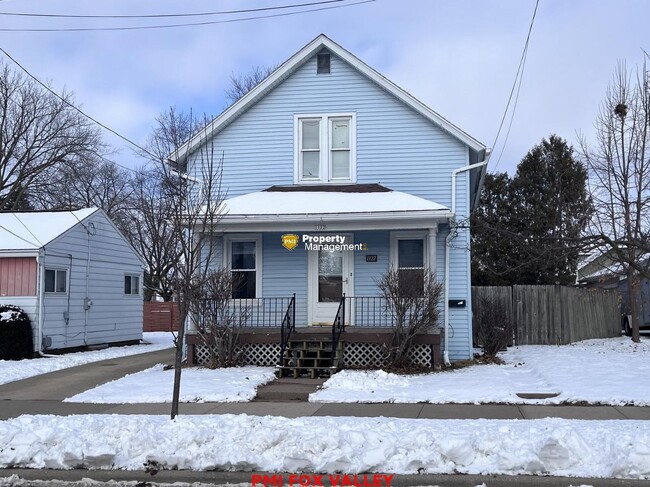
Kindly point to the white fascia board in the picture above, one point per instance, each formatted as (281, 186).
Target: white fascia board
(18, 253)
(283, 223)
(320, 42)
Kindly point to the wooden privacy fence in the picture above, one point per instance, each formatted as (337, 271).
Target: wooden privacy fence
(553, 315)
(160, 316)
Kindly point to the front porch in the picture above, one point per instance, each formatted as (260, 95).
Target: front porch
(357, 338)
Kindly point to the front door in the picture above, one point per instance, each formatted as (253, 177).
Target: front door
(330, 275)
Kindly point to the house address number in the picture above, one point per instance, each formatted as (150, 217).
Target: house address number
(371, 258)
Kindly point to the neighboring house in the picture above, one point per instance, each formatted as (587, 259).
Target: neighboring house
(74, 274)
(326, 146)
(600, 270)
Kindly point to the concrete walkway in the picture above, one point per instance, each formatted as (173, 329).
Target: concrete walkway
(44, 394)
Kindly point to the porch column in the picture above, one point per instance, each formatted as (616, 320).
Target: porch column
(433, 232)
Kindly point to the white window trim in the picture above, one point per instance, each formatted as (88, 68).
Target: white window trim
(416, 235)
(139, 276)
(227, 255)
(325, 134)
(67, 281)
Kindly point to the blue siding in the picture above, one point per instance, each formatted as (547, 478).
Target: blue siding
(284, 273)
(113, 316)
(366, 274)
(395, 146)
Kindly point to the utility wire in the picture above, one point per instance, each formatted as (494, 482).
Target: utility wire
(515, 83)
(134, 144)
(30, 232)
(156, 16)
(189, 24)
(18, 236)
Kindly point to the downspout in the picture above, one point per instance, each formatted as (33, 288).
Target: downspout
(450, 237)
(39, 295)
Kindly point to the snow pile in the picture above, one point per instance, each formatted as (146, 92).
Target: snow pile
(609, 371)
(329, 445)
(238, 384)
(12, 370)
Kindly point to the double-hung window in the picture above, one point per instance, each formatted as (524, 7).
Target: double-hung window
(56, 281)
(245, 265)
(325, 148)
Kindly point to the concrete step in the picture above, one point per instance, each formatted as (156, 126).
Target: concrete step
(288, 389)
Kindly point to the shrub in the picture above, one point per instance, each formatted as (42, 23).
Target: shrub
(16, 338)
(413, 301)
(493, 327)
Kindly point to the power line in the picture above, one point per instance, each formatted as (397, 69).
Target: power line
(517, 82)
(18, 236)
(30, 232)
(155, 16)
(134, 144)
(189, 24)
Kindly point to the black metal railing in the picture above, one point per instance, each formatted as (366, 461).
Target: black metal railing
(252, 312)
(338, 327)
(287, 327)
(369, 312)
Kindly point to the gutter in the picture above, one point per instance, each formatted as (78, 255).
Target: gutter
(450, 237)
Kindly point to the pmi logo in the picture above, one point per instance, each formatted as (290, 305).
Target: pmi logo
(290, 241)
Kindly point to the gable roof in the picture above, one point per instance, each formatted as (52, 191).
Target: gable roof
(32, 230)
(290, 66)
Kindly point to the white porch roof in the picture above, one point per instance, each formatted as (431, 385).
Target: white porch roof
(306, 205)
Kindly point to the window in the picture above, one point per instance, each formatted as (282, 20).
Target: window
(132, 285)
(325, 148)
(323, 63)
(56, 281)
(409, 258)
(243, 265)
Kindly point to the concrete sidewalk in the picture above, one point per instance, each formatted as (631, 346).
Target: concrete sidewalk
(44, 394)
(14, 408)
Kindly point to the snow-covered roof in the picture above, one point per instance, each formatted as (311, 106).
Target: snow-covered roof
(307, 204)
(31, 230)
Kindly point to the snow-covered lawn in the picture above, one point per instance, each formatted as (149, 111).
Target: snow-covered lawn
(329, 444)
(197, 385)
(610, 371)
(12, 370)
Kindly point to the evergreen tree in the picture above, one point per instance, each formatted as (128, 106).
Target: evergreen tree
(526, 228)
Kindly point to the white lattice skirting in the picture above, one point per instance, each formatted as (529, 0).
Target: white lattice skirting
(373, 355)
(354, 354)
(263, 354)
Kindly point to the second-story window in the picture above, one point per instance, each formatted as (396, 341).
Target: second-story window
(325, 148)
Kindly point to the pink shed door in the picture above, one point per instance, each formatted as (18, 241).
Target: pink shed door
(17, 276)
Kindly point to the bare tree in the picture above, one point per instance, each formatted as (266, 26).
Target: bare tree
(620, 171)
(242, 83)
(90, 182)
(412, 299)
(195, 210)
(38, 131)
(151, 232)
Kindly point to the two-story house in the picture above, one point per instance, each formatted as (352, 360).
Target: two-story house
(326, 150)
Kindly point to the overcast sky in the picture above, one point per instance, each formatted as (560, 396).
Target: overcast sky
(458, 57)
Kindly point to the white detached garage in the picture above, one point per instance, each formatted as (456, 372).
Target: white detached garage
(76, 276)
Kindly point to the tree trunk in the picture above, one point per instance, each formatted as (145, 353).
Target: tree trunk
(178, 362)
(633, 284)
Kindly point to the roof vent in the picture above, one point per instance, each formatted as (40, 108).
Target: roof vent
(323, 63)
